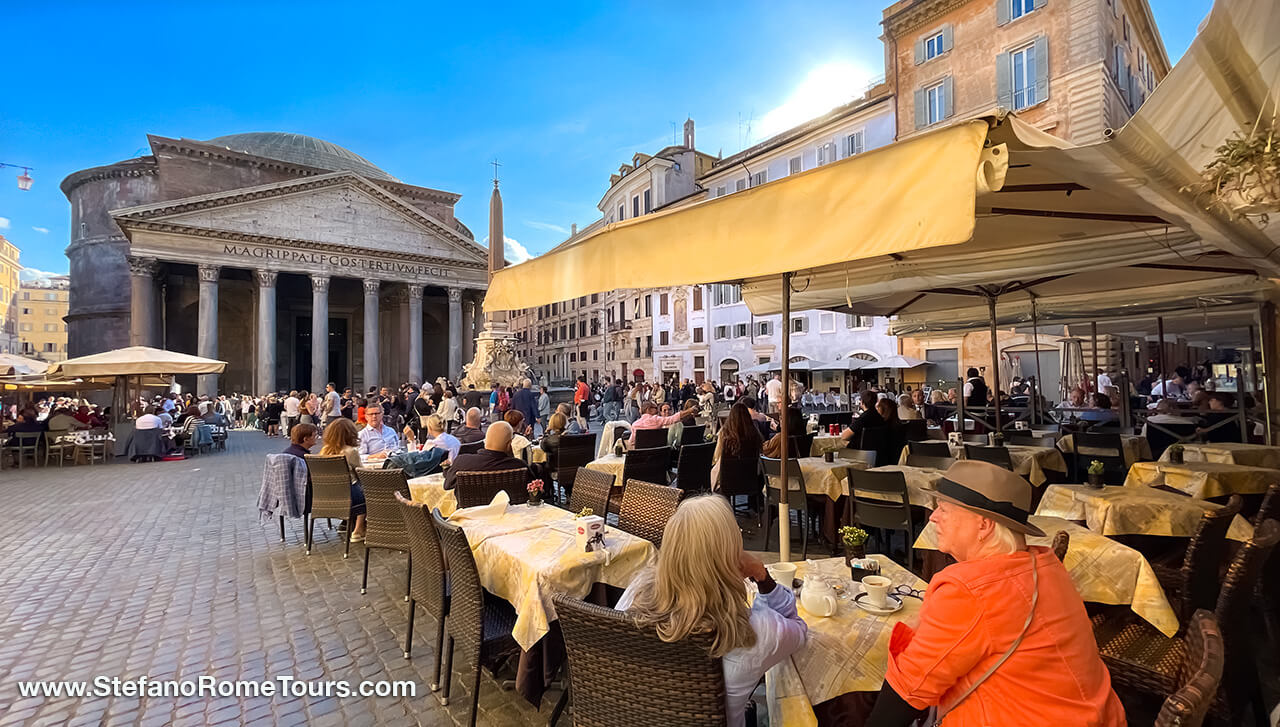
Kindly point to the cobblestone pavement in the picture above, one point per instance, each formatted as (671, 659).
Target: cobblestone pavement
(163, 570)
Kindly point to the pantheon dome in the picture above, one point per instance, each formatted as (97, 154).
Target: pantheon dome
(301, 149)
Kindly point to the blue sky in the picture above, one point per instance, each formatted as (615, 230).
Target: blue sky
(561, 94)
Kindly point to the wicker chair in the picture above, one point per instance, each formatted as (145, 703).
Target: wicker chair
(650, 438)
(428, 585)
(998, 456)
(1270, 508)
(331, 496)
(591, 489)
(879, 511)
(576, 450)
(1269, 584)
(1061, 544)
(479, 488)
(384, 525)
(667, 683)
(796, 499)
(1145, 661)
(1200, 677)
(693, 467)
(1193, 581)
(479, 623)
(646, 508)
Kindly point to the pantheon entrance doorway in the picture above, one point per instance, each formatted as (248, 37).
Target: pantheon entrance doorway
(338, 335)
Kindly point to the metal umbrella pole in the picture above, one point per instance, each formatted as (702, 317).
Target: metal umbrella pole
(1035, 341)
(1164, 388)
(1093, 375)
(784, 508)
(995, 370)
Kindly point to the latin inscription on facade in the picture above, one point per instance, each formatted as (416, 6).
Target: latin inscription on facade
(312, 257)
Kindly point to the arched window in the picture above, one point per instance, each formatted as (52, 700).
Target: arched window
(728, 369)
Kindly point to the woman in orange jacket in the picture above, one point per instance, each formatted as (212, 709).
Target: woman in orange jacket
(1003, 637)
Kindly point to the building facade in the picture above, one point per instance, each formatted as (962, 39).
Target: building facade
(296, 261)
(9, 285)
(42, 305)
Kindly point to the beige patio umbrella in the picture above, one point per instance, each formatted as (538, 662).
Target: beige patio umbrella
(136, 361)
(14, 365)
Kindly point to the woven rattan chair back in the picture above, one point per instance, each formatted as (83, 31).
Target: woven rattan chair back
(1061, 543)
(693, 467)
(575, 451)
(1240, 682)
(928, 449)
(427, 580)
(674, 683)
(650, 438)
(330, 486)
(693, 434)
(1198, 579)
(1270, 508)
(866, 456)
(384, 525)
(648, 465)
(466, 599)
(591, 489)
(998, 456)
(479, 488)
(646, 508)
(1201, 674)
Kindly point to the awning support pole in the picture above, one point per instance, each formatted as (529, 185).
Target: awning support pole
(998, 437)
(1093, 375)
(1164, 391)
(1253, 358)
(1035, 341)
(1266, 344)
(1240, 411)
(784, 509)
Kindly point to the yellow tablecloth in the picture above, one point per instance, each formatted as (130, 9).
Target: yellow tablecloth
(921, 482)
(1028, 460)
(537, 556)
(1135, 448)
(1103, 570)
(1253, 455)
(430, 491)
(1203, 480)
(610, 463)
(822, 477)
(846, 652)
(824, 443)
(1133, 511)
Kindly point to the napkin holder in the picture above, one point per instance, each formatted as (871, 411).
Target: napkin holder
(860, 568)
(955, 439)
(589, 533)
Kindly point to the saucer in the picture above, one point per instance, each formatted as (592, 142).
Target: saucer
(894, 605)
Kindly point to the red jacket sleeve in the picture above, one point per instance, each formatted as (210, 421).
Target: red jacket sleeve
(946, 646)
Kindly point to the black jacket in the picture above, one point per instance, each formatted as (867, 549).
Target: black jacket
(486, 460)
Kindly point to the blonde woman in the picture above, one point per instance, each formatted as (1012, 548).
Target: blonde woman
(341, 440)
(699, 587)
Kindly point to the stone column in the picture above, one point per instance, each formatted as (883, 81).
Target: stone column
(455, 334)
(468, 331)
(319, 333)
(142, 310)
(207, 330)
(415, 333)
(371, 338)
(266, 381)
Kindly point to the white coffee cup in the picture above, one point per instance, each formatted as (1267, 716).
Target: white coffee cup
(783, 573)
(877, 590)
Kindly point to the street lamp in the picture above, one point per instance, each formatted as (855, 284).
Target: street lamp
(24, 179)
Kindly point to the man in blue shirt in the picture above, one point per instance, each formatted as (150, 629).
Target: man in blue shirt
(377, 437)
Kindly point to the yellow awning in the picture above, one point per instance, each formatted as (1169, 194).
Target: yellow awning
(916, 194)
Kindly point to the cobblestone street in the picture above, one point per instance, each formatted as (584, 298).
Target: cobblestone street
(163, 570)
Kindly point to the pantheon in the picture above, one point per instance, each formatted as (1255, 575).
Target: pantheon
(293, 259)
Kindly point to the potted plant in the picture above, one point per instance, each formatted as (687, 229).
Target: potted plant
(535, 493)
(1175, 453)
(855, 541)
(1096, 468)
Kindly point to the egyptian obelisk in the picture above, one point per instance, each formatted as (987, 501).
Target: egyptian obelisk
(496, 358)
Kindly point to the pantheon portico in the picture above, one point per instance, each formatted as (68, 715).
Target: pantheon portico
(294, 260)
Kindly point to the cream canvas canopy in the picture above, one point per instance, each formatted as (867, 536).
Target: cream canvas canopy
(14, 365)
(135, 361)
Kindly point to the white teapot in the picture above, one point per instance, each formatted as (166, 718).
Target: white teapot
(818, 597)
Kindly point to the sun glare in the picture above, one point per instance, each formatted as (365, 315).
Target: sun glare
(824, 88)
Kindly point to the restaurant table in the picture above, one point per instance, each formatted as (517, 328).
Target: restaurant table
(1135, 448)
(824, 478)
(1203, 480)
(1103, 570)
(1030, 461)
(844, 654)
(430, 491)
(1133, 511)
(610, 463)
(824, 443)
(1253, 455)
(921, 484)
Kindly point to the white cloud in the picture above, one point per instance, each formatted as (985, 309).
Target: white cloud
(826, 87)
(41, 230)
(547, 226)
(32, 275)
(512, 250)
(4, 223)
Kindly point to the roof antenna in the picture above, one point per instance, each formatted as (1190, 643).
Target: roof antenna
(495, 164)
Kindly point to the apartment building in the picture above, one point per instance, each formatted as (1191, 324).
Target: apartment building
(42, 305)
(9, 270)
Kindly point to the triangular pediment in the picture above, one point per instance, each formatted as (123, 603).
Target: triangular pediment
(341, 209)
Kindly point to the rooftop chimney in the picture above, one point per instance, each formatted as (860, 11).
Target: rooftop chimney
(688, 134)
(573, 230)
